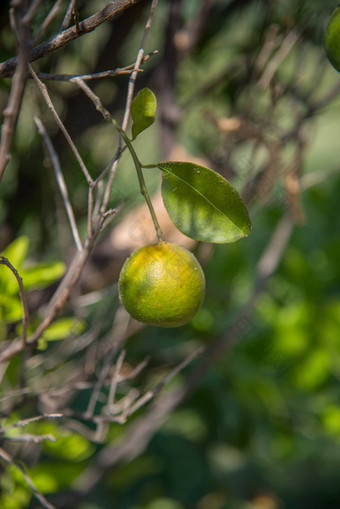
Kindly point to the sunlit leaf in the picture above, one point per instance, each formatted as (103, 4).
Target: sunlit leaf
(62, 328)
(44, 481)
(202, 204)
(42, 274)
(331, 420)
(11, 308)
(143, 110)
(314, 370)
(72, 447)
(62, 472)
(16, 253)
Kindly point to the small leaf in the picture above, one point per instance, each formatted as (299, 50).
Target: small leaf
(143, 109)
(202, 204)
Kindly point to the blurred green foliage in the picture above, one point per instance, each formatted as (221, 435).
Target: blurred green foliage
(34, 276)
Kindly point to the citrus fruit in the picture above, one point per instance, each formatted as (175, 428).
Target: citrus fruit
(332, 39)
(162, 284)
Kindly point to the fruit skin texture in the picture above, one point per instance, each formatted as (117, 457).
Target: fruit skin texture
(162, 284)
(332, 39)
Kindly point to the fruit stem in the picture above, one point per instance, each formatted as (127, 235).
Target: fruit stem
(142, 185)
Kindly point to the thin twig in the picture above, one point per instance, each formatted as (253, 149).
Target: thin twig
(285, 48)
(61, 183)
(107, 168)
(110, 11)
(107, 116)
(114, 381)
(25, 422)
(86, 77)
(12, 109)
(137, 369)
(15, 393)
(316, 177)
(31, 11)
(272, 254)
(39, 496)
(96, 75)
(119, 329)
(25, 314)
(93, 97)
(36, 439)
(68, 16)
(165, 380)
(49, 18)
(90, 204)
(75, 14)
(43, 90)
(131, 88)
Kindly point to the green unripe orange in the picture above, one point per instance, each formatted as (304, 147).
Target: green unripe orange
(162, 284)
(332, 39)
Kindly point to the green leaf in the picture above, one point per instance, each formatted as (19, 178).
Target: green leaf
(62, 328)
(11, 308)
(16, 252)
(41, 275)
(202, 204)
(143, 109)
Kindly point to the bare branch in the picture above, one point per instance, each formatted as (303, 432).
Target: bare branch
(25, 422)
(114, 381)
(272, 254)
(36, 439)
(85, 77)
(119, 329)
(61, 183)
(131, 88)
(25, 315)
(285, 48)
(49, 18)
(96, 75)
(151, 394)
(93, 97)
(31, 11)
(39, 496)
(12, 109)
(68, 16)
(110, 11)
(43, 90)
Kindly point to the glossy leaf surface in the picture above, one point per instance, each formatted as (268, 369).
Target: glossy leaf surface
(143, 110)
(202, 204)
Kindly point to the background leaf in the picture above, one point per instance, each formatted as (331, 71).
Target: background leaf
(16, 253)
(42, 274)
(143, 110)
(202, 204)
(63, 328)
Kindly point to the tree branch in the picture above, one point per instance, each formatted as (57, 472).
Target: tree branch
(4, 261)
(61, 182)
(12, 109)
(110, 11)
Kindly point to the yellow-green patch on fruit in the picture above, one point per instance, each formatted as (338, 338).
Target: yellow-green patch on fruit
(162, 284)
